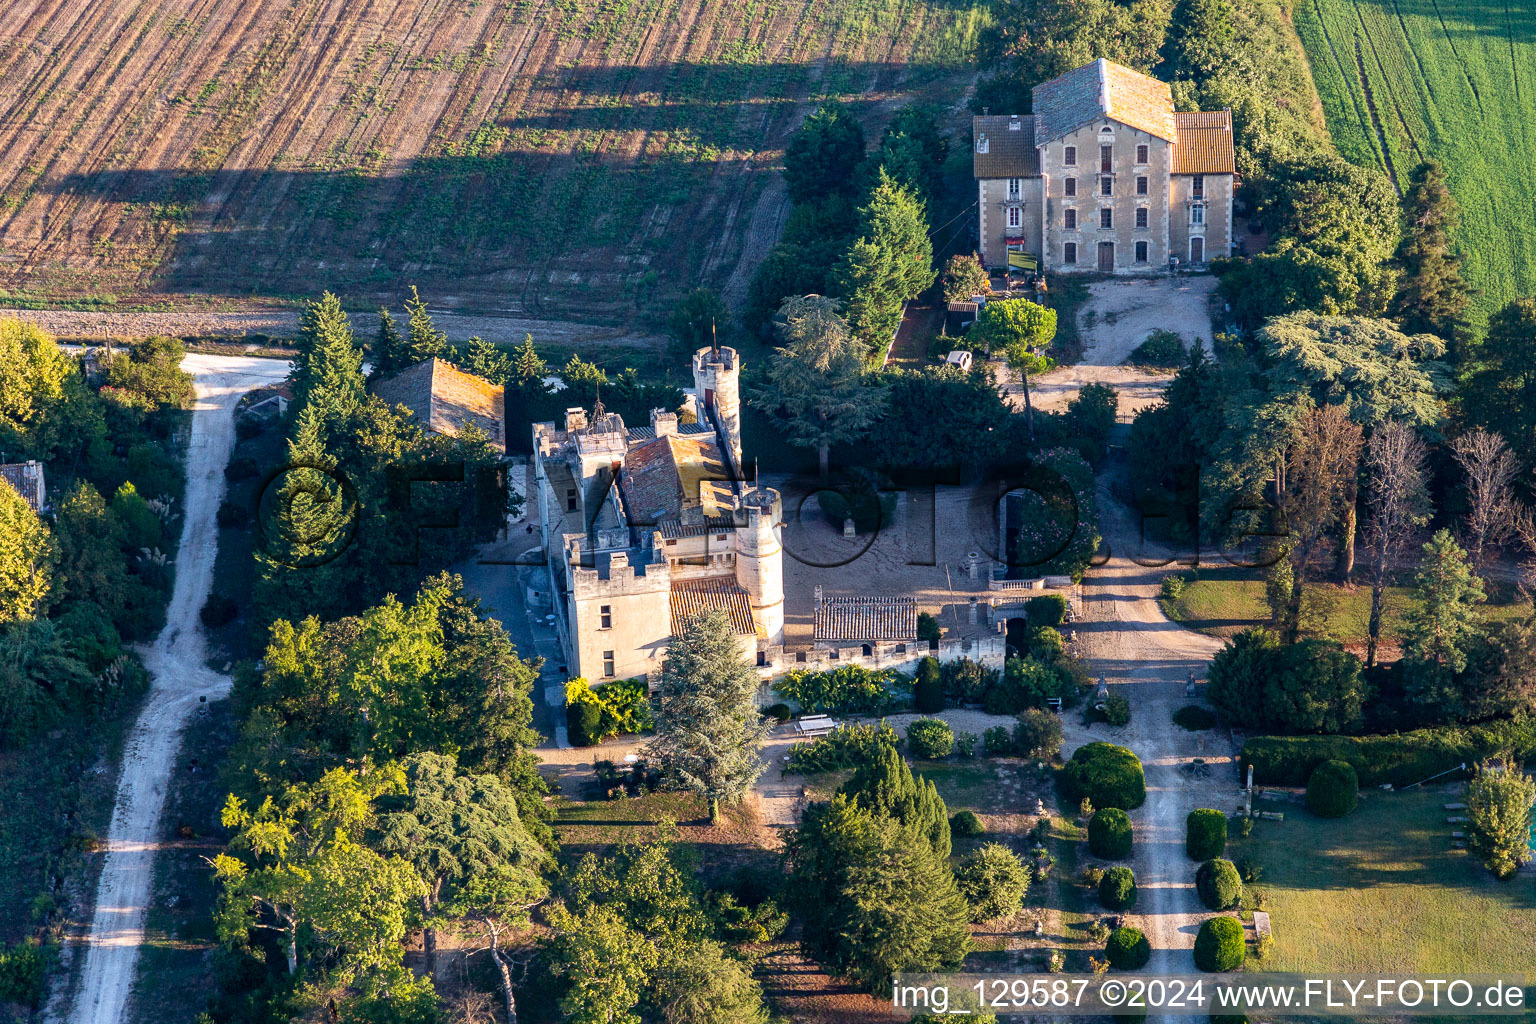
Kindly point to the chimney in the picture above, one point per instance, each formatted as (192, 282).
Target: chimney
(818, 596)
(972, 611)
(664, 423)
(575, 419)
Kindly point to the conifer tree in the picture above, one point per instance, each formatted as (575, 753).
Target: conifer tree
(528, 368)
(708, 727)
(1431, 295)
(885, 784)
(328, 372)
(423, 340)
(387, 353)
(484, 359)
(1444, 620)
(1501, 392)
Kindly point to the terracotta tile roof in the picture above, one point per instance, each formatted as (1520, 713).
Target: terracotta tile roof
(1102, 89)
(446, 399)
(674, 529)
(690, 597)
(1004, 147)
(27, 480)
(1205, 143)
(866, 618)
(664, 475)
(647, 433)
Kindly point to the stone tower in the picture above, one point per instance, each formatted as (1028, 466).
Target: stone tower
(760, 560)
(715, 377)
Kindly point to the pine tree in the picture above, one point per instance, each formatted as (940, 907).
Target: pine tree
(484, 359)
(1444, 620)
(1501, 392)
(527, 366)
(1431, 296)
(328, 372)
(867, 281)
(708, 727)
(387, 354)
(885, 784)
(423, 340)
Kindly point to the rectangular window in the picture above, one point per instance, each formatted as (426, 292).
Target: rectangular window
(1013, 188)
(1197, 214)
(605, 617)
(1106, 186)
(1015, 217)
(1141, 216)
(1069, 219)
(1106, 159)
(570, 500)
(1070, 186)
(607, 664)
(1198, 186)
(1070, 159)
(1141, 185)
(1141, 252)
(1107, 217)
(1141, 153)
(1069, 253)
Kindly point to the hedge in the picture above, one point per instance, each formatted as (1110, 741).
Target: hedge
(1400, 758)
(1205, 834)
(583, 722)
(1219, 946)
(1045, 610)
(1108, 775)
(1127, 949)
(1109, 833)
(928, 689)
(1219, 884)
(1333, 790)
(1117, 889)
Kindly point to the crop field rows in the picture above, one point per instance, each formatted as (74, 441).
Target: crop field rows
(547, 157)
(1402, 80)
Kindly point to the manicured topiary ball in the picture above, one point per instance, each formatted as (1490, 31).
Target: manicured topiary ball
(1333, 790)
(1127, 949)
(1206, 834)
(1117, 889)
(965, 823)
(1109, 833)
(1107, 774)
(1219, 884)
(1219, 946)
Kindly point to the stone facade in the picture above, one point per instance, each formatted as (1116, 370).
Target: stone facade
(1104, 177)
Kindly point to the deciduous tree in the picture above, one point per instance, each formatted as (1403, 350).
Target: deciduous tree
(1493, 511)
(26, 558)
(1398, 504)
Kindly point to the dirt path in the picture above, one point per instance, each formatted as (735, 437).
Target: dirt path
(176, 661)
(284, 323)
(1147, 658)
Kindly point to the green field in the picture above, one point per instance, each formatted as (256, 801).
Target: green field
(1383, 891)
(1402, 80)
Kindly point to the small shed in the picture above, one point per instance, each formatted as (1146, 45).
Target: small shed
(959, 316)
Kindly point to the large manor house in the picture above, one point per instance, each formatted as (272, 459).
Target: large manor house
(1104, 176)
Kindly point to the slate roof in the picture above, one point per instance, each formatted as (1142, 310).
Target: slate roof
(1002, 151)
(1102, 89)
(663, 476)
(446, 399)
(866, 618)
(1205, 143)
(28, 481)
(690, 597)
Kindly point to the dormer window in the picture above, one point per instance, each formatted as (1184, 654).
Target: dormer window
(982, 143)
(1014, 124)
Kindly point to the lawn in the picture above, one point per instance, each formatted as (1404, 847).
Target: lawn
(1383, 891)
(1223, 601)
(1409, 79)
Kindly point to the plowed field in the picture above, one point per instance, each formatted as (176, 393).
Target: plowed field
(554, 158)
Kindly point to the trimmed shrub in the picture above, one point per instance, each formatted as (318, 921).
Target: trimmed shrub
(1219, 946)
(1333, 790)
(218, 611)
(1046, 610)
(1161, 347)
(778, 712)
(1109, 833)
(965, 823)
(845, 690)
(846, 747)
(1117, 889)
(965, 744)
(1107, 774)
(1400, 759)
(930, 738)
(1037, 735)
(928, 689)
(1194, 718)
(1205, 834)
(1117, 710)
(993, 881)
(997, 742)
(1127, 949)
(1219, 884)
(583, 720)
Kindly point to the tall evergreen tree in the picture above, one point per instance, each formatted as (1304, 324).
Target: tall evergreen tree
(328, 372)
(1443, 624)
(484, 359)
(528, 368)
(867, 280)
(387, 355)
(423, 340)
(1431, 295)
(890, 263)
(885, 784)
(708, 727)
(822, 156)
(1500, 394)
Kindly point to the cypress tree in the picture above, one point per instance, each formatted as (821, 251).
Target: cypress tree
(885, 784)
